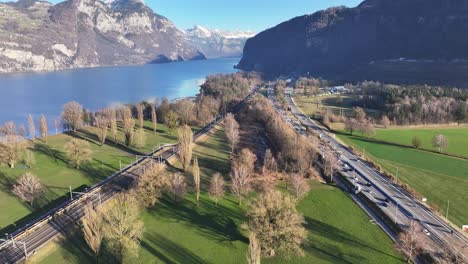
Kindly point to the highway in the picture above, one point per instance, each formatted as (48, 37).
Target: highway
(27, 240)
(396, 202)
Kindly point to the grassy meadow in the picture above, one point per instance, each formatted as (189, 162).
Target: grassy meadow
(338, 105)
(57, 175)
(457, 137)
(339, 231)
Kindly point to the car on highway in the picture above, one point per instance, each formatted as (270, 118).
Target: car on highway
(426, 232)
(368, 184)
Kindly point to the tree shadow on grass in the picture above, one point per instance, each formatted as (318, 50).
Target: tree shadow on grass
(90, 137)
(57, 155)
(175, 252)
(6, 182)
(329, 251)
(214, 222)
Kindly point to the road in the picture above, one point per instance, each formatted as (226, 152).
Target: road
(397, 203)
(27, 240)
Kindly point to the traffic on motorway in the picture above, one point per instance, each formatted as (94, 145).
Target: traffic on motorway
(393, 200)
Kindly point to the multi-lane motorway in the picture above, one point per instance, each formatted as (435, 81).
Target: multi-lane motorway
(397, 203)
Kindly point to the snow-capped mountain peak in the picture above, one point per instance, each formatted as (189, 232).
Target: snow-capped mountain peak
(218, 43)
(203, 32)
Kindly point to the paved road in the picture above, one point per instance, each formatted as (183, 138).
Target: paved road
(62, 218)
(397, 203)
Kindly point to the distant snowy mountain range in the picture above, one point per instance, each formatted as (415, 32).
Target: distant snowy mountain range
(216, 43)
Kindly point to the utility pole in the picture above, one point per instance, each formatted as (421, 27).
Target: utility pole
(71, 194)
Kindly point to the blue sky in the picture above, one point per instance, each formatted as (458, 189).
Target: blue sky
(255, 15)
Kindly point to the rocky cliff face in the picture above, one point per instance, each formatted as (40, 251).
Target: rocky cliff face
(377, 38)
(39, 36)
(217, 43)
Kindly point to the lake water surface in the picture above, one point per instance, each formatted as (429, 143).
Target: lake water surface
(95, 88)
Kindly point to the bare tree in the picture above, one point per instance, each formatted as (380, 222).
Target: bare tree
(93, 228)
(78, 151)
(111, 114)
(185, 146)
(277, 224)
(254, 253)
(359, 114)
(298, 185)
(329, 163)
(385, 121)
(154, 118)
(72, 115)
(368, 129)
(411, 242)
(270, 162)
(128, 125)
(22, 131)
(12, 149)
(102, 123)
(32, 128)
(184, 109)
(241, 174)
(216, 190)
(28, 188)
(124, 228)
(43, 128)
(177, 185)
(171, 119)
(440, 142)
(149, 185)
(140, 115)
(196, 178)
(351, 125)
(8, 129)
(232, 131)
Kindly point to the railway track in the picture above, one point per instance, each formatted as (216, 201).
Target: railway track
(60, 219)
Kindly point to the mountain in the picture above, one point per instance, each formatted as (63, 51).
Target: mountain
(38, 36)
(217, 43)
(397, 40)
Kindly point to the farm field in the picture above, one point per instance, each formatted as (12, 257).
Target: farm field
(57, 175)
(185, 233)
(438, 177)
(457, 137)
(338, 105)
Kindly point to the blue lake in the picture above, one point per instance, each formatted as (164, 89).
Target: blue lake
(95, 88)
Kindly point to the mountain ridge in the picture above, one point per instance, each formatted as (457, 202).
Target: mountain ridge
(40, 36)
(378, 39)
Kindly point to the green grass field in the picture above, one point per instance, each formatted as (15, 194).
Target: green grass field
(457, 137)
(55, 173)
(339, 232)
(438, 177)
(313, 106)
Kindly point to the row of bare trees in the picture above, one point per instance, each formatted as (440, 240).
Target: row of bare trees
(413, 104)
